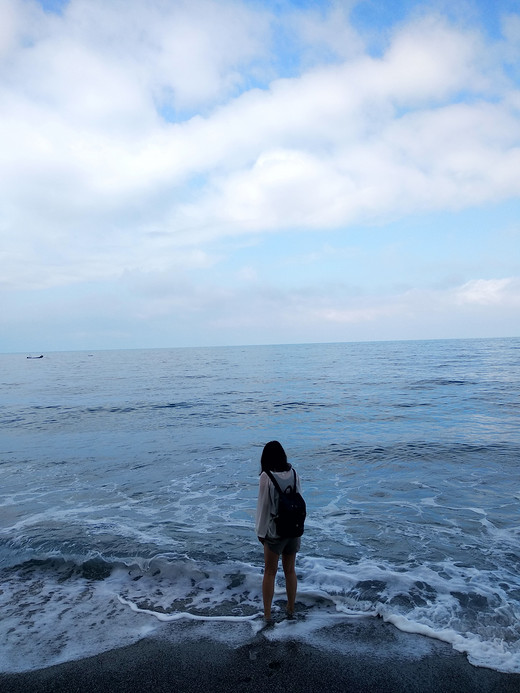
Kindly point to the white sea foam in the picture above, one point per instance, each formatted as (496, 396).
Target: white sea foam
(71, 616)
(188, 616)
(47, 619)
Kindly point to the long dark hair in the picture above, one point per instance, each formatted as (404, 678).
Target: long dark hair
(274, 458)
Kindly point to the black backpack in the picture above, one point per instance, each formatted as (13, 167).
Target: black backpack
(291, 510)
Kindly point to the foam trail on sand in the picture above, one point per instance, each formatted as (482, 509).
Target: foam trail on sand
(185, 615)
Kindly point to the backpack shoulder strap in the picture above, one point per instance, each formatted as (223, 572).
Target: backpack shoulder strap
(276, 484)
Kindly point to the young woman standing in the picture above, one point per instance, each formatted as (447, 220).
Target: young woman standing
(274, 460)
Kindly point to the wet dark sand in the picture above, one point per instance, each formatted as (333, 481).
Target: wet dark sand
(377, 658)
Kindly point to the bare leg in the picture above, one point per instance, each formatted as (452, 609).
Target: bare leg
(291, 581)
(270, 569)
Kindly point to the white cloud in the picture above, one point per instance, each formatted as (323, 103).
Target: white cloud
(100, 136)
(489, 292)
(96, 185)
(325, 34)
(329, 313)
(331, 147)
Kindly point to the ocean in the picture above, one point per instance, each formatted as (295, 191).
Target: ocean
(129, 484)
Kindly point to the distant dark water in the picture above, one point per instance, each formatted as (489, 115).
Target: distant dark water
(129, 486)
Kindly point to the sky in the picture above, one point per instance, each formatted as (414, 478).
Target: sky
(232, 172)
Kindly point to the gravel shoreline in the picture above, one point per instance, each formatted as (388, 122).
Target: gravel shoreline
(377, 658)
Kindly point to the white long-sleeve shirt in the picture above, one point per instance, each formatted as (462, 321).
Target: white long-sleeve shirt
(267, 505)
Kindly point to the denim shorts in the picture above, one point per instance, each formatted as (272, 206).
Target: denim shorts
(286, 546)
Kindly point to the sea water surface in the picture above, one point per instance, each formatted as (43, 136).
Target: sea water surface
(129, 483)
